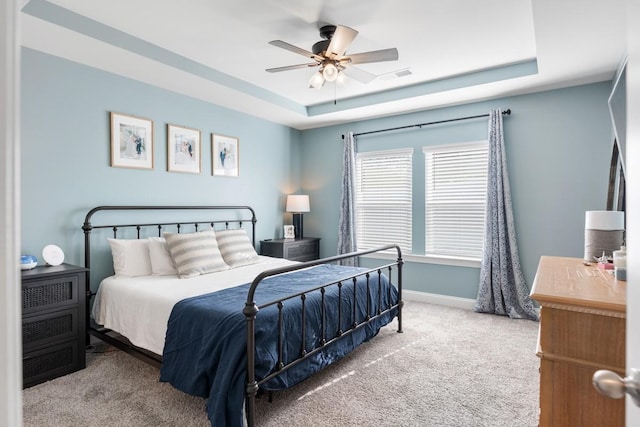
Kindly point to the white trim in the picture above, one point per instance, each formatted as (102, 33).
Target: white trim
(428, 259)
(10, 306)
(633, 202)
(449, 301)
(446, 300)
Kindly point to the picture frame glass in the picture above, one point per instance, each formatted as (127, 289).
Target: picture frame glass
(131, 141)
(184, 149)
(225, 153)
(289, 232)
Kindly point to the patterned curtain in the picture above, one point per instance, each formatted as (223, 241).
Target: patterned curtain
(502, 287)
(347, 222)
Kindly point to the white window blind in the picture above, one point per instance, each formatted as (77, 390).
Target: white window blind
(455, 198)
(384, 198)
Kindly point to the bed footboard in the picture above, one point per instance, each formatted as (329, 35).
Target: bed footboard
(375, 310)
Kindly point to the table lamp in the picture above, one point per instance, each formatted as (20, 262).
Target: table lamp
(297, 204)
(603, 233)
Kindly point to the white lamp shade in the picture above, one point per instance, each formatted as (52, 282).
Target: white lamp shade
(316, 81)
(330, 72)
(604, 220)
(297, 203)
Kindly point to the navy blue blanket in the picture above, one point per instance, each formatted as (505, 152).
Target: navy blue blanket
(205, 346)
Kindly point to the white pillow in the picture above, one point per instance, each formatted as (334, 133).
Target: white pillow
(161, 262)
(130, 257)
(236, 248)
(195, 253)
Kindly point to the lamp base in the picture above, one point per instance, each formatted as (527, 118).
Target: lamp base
(598, 242)
(297, 225)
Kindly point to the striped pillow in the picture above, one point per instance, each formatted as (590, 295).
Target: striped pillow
(236, 248)
(195, 253)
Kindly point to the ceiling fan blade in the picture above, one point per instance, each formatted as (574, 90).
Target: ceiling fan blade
(292, 67)
(373, 56)
(358, 74)
(341, 40)
(295, 49)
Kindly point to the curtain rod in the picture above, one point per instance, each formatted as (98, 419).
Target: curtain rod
(506, 112)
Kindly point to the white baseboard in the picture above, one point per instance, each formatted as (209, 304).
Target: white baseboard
(447, 300)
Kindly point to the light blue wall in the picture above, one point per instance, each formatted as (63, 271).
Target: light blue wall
(65, 154)
(558, 147)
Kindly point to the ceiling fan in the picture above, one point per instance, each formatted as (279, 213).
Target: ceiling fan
(330, 55)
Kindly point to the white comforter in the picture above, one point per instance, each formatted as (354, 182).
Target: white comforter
(139, 307)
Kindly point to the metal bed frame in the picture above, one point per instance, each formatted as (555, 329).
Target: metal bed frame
(251, 309)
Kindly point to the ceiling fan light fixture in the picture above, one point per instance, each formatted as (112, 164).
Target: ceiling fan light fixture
(329, 56)
(317, 80)
(330, 72)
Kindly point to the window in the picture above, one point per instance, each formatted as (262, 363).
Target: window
(383, 198)
(455, 198)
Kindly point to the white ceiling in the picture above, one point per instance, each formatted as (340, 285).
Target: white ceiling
(217, 50)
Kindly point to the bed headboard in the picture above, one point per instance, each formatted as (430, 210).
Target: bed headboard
(135, 222)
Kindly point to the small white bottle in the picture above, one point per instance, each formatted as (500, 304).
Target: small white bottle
(620, 263)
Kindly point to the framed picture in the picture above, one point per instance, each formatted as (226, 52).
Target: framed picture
(224, 155)
(184, 149)
(289, 232)
(131, 141)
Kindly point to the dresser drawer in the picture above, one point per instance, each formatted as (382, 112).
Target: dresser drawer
(42, 329)
(50, 362)
(302, 251)
(49, 293)
(53, 322)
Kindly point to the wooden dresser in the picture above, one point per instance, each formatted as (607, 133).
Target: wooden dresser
(582, 330)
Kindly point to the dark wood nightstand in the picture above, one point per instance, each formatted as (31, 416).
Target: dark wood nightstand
(53, 322)
(304, 249)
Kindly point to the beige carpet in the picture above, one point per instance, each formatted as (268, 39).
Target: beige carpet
(450, 367)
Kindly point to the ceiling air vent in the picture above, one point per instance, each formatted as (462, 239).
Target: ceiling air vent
(395, 74)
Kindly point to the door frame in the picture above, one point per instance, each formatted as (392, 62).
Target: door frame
(10, 306)
(633, 201)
